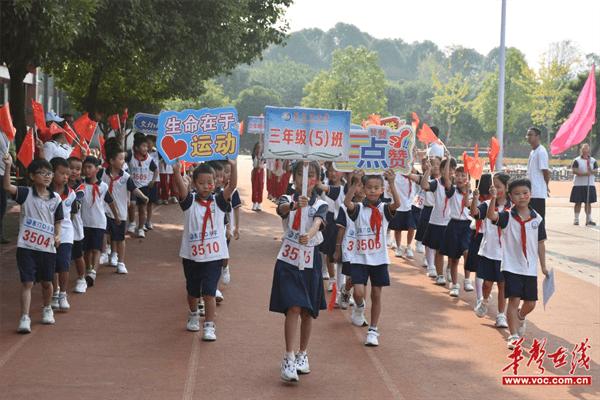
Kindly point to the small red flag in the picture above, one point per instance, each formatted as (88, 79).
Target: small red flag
(38, 115)
(76, 152)
(6, 124)
(55, 129)
(241, 128)
(476, 167)
(467, 161)
(26, 152)
(69, 133)
(426, 135)
(333, 297)
(113, 121)
(415, 120)
(493, 152)
(85, 127)
(124, 116)
(101, 141)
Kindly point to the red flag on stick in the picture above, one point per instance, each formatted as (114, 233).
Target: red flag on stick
(467, 161)
(426, 135)
(25, 154)
(241, 128)
(415, 121)
(85, 127)
(493, 152)
(38, 115)
(113, 120)
(476, 166)
(6, 124)
(124, 117)
(69, 133)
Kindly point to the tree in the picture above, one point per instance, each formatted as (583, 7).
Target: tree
(148, 51)
(354, 82)
(449, 100)
(33, 32)
(252, 101)
(409, 96)
(286, 77)
(213, 97)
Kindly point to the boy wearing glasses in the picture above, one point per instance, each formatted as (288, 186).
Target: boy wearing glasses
(39, 236)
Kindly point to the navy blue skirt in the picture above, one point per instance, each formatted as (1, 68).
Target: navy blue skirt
(402, 221)
(579, 194)
(329, 236)
(489, 270)
(423, 222)
(292, 287)
(457, 238)
(434, 235)
(472, 262)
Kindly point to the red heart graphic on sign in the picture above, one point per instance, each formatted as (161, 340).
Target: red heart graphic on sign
(173, 148)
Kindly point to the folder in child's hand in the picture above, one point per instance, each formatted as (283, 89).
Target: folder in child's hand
(548, 286)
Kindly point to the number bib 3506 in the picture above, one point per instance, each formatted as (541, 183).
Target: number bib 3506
(294, 253)
(366, 244)
(37, 235)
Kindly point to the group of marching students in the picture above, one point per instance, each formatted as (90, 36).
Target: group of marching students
(76, 211)
(353, 221)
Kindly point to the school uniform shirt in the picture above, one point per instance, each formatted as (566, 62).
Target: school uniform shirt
(371, 245)
(155, 157)
(141, 169)
(584, 165)
(76, 220)
(520, 241)
(334, 199)
(92, 205)
(457, 204)
(68, 197)
(349, 240)
(119, 187)
(236, 202)
(204, 237)
(419, 198)
(54, 149)
(538, 161)
(291, 249)
(406, 191)
(491, 243)
(429, 199)
(37, 219)
(164, 168)
(440, 215)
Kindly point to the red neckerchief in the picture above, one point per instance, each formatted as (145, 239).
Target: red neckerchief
(140, 158)
(207, 215)
(95, 191)
(112, 181)
(523, 232)
(65, 193)
(375, 221)
(297, 219)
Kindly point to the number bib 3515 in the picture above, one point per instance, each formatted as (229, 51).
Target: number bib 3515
(37, 235)
(292, 252)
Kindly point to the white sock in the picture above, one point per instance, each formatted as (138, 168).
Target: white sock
(339, 277)
(430, 257)
(479, 288)
(290, 356)
(577, 216)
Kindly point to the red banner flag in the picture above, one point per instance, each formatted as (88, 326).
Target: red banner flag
(476, 165)
(69, 133)
(415, 121)
(124, 117)
(493, 152)
(6, 124)
(85, 127)
(55, 129)
(26, 152)
(426, 135)
(467, 161)
(39, 117)
(113, 121)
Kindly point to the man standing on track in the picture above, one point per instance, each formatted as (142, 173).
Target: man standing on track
(538, 172)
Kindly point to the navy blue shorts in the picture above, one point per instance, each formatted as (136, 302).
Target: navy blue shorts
(347, 268)
(77, 250)
(35, 266)
(422, 223)
(116, 232)
(489, 270)
(150, 192)
(457, 239)
(403, 221)
(378, 274)
(434, 235)
(63, 257)
(521, 286)
(472, 262)
(202, 278)
(93, 239)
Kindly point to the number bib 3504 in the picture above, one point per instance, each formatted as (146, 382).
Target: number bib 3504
(294, 253)
(37, 235)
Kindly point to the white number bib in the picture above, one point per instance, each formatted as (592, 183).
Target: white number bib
(292, 252)
(37, 235)
(366, 243)
(207, 248)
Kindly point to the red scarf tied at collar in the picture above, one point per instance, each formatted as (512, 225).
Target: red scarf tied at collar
(140, 158)
(207, 216)
(523, 232)
(95, 191)
(297, 219)
(375, 221)
(112, 181)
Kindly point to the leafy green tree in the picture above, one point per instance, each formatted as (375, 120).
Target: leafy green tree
(33, 32)
(213, 97)
(286, 77)
(354, 82)
(449, 100)
(409, 96)
(252, 101)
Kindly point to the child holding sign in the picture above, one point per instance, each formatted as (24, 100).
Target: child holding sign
(370, 260)
(203, 248)
(297, 289)
(144, 172)
(39, 235)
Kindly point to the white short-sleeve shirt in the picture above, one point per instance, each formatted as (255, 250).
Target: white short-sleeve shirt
(538, 161)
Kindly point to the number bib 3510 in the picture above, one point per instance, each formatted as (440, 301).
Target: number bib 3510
(211, 248)
(37, 235)
(294, 253)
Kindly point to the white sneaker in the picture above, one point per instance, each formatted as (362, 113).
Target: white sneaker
(201, 310)
(148, 226)
(121, 268)
(501, 321)
(454, 291)
(522, 327)
(288, 370)
(63, 303)
(103, 258)
(90, 278)
(398, 252)
(344, 299)
(131, 227)
(254, 206)
(258, 207)
(301, 362)
(392, 243)
(80, 286)
(209, 334)
(47, 316)
(330, 285)
(431, 272)
(420, 248)
(219, 296)
(409, 253)
(511, 341)
(141, 233)
(24, 324)
(226, 276)
(481, 308)
(372, 338)
(440, 280)
(193, 322)
(358, 316)
(468, 286)
(173, 200)
(114, 259)
(54, 301)
(448, 275)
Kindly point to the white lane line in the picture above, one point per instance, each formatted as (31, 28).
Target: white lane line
(190, 380)
(15, 347)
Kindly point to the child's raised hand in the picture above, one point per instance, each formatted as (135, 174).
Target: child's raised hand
(7, 159)
(302, 201)
(493, 191)
(476, 193)
(176, 167)
(389, 175)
